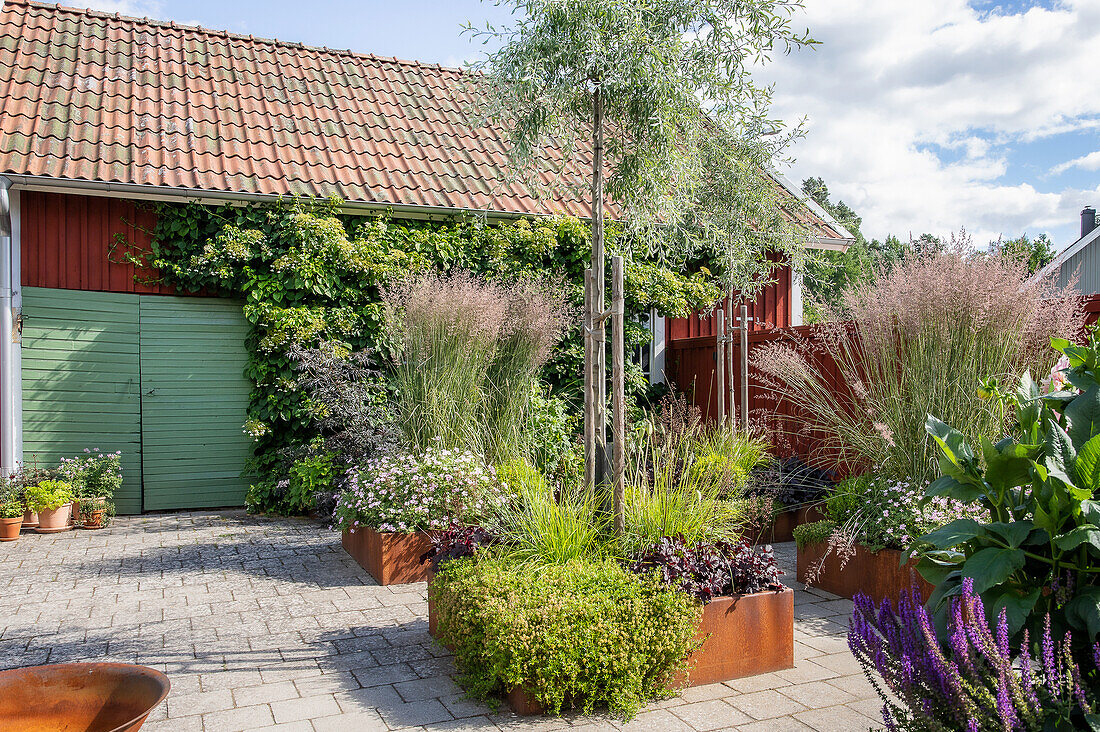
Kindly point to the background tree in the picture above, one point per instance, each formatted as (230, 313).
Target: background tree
(611, 92)
(1037, 252)
(828, 275)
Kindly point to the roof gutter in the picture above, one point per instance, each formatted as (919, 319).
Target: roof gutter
(200, 195)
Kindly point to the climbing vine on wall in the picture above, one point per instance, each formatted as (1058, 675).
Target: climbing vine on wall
(310, 274)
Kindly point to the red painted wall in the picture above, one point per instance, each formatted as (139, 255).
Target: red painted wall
(770, 310)
(69, 242)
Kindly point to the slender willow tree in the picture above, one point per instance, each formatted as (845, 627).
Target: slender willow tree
(646, 101)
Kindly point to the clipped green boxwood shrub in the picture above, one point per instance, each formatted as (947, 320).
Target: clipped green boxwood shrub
(813, 533)
(582, 633)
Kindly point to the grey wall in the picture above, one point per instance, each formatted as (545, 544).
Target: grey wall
(1086, 264)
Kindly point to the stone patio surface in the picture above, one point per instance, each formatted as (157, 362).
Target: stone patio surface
(265, 623)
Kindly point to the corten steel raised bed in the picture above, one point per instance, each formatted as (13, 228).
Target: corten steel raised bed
(782, 525)
(878, 575)
(89, 697)
(743, 635)
(391, 558)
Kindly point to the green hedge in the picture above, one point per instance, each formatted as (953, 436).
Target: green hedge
(583, 633)
(813, 533)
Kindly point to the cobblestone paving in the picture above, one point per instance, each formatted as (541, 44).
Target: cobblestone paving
(267, 624)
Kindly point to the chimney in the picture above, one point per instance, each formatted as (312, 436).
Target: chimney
(1088, 220)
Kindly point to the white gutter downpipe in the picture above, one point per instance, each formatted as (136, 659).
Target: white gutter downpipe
(10, 408)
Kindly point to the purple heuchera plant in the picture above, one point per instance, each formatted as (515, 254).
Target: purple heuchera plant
(711, 570)
(457, 542)
(972, 682)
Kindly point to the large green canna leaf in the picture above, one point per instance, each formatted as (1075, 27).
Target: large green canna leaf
(952, 443)
(992, 566)
(1083, 611)
(1014, 533)
(1083, 414)
(954, 533)
(1087, 465)
(1081, 535)
(1059, 448)
(951, 487)
(1017, 606)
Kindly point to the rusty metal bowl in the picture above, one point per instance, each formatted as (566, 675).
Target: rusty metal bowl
(79, 697)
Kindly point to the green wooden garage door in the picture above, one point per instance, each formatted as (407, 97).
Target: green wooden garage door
(159, 378)
(81, 382)
(194, 398)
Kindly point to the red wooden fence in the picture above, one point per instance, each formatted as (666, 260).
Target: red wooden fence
(692, 368)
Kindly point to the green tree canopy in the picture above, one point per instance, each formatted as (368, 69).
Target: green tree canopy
(687, 129)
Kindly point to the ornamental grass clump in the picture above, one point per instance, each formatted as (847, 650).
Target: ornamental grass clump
(920, 339)
(470, 354)
(684, 478)
(974, 680)
(542, 527)
(582, 633)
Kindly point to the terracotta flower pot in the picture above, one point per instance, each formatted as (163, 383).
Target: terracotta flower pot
(391, 558)
(30, 520)
(9, 528)
(879, 575)
(74, 518)
(94, 519)
(52, 521)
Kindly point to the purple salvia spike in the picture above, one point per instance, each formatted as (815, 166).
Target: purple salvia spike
(1005, 710)
(1027, 674)
(1002, 634)
(1078, 691)
(1050, 674)
(888, 719)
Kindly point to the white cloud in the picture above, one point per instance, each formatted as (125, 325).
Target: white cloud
(1085, 162)
(914, 110)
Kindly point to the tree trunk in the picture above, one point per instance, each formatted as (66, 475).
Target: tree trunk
(745, 368)
(596, 394)
(618, 395)
(589, 401)
(721, 364)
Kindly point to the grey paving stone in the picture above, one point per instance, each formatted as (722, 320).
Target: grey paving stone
(292, 710)
(766, 704)
(836, 719)
(241, 718)
(710, 715)
(265, 623)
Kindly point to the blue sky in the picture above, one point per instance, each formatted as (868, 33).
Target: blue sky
(926, 116)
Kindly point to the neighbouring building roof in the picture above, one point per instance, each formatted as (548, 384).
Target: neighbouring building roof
(92, 96)
(1078, 265)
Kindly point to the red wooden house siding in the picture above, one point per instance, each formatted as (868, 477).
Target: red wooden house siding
(69, 242)
(770, 310)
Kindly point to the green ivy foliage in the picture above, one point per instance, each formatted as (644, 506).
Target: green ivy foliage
(310, 274)
(584, 632)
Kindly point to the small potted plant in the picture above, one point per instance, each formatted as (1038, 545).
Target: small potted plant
(11, 519)
(94, 477)
(95, 513)
(52, 501)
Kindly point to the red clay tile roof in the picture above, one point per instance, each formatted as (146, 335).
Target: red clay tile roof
(99, 97)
